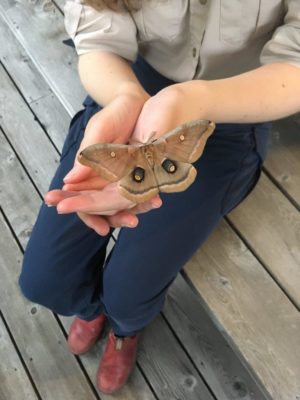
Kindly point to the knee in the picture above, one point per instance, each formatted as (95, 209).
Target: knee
(31, 287)
(37, 283)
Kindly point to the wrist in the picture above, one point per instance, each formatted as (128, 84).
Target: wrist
(133, 91)
(197, 98)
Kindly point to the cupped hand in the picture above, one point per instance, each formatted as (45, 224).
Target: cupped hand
(113, 124)
(97, 203)
(107, 202)
(163, 112)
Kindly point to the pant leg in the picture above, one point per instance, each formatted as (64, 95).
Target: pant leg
(62, 267)
(146, 259)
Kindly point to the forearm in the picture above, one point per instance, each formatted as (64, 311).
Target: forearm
(265, 94)
(106, 76)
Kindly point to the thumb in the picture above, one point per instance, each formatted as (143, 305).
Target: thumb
(78, 173)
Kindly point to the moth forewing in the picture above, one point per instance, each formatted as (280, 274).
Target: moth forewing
(186, 142)
(201, 142)
(111, 161)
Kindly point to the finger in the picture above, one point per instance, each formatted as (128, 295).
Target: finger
(92, 183)
(153, 203)
(129, 219)
(101, 128)
(78, 173)
(95, 222)
(96, 202)
(123, 219)
(55, 196)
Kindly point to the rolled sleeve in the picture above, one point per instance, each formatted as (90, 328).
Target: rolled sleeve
(105, 30)
(284, 45)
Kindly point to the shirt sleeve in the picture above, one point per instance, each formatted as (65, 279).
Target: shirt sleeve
(106, 30)
(284, 45)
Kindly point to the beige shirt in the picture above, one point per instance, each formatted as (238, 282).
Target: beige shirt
(192, 39)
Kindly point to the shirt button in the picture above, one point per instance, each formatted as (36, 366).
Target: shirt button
(203, 2)
(194, 52)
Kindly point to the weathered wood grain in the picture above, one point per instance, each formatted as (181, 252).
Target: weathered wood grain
(283, 160)
(55, 371)
(33, 87)
(271, 225)
(167, 367)
(250, 310)
(210, 352)
(14, 382)
(18, 197)
(42, 38)
(18, 63)
(26, 135)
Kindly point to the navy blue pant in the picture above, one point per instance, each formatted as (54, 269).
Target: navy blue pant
(64, 267)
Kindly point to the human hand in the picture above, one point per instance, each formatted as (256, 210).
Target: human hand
(82, 192)
(107, 202)
(169, 108)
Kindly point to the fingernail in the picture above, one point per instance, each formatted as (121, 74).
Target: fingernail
(49, 205)
(129, 224)
(156, 203)
(70, 175)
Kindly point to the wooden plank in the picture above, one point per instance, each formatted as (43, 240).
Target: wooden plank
(18, 63)
(18, 197)
(54, 370)
(271, 225)
(210, 352)
(15, 383)
(42, 39)
(48, 109)
(26, 135)
(250, 310)
(168, 369)
(283, 160)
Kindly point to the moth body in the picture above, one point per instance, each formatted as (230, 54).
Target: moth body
(161, 165)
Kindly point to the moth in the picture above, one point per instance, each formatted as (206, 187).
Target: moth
(160, 165)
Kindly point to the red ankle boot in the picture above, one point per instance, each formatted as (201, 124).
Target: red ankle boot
(84, 334)
(117, 363)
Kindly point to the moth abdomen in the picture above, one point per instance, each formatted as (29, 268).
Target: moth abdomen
(169, 166)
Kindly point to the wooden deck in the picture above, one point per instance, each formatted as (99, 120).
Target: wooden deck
(230, 326)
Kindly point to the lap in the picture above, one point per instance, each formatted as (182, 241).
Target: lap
(227, 171)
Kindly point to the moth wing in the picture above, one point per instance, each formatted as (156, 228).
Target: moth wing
(177, 181)
(143, 190)
(186, 142)
(111, 161)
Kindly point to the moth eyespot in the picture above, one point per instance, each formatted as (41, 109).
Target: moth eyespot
(181, 137)
(113, 154)
(138, 174)
(169, 166)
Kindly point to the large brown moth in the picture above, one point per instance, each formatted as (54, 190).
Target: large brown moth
(160, 165)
